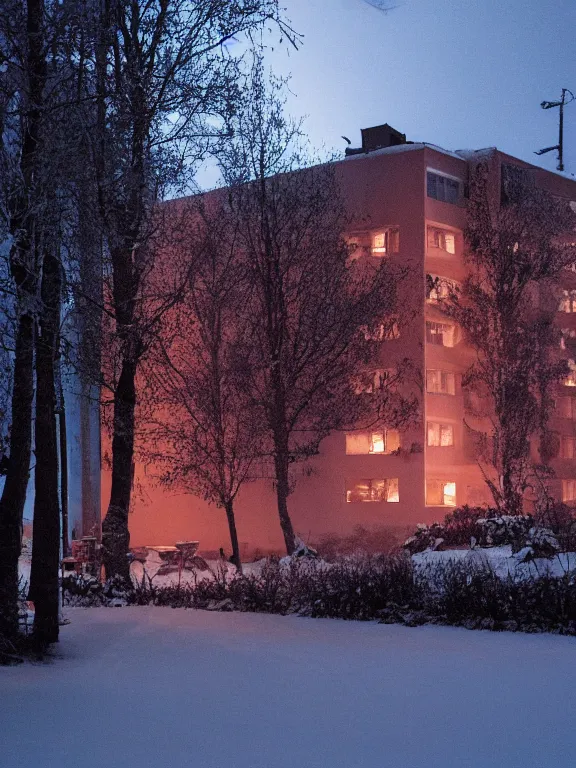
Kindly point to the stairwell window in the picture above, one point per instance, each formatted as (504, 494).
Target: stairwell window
(385, 489)
(371, 382)
(567, 302)
(440, 435)
(440, 382)
(385, 241)
(567, 407)
(567, 447)
(440, 334)
(442, 239)
(386, 331)
(440, 493)
(570, 380)
(364, 443)
(569, 490)
(438, 288)
(442, 187)
(566, 335)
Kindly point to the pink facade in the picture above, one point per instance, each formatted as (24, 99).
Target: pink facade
(408, 204)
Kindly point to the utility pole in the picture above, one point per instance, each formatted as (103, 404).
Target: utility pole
(560, 146)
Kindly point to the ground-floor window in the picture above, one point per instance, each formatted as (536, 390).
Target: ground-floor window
(385, 489)
(441, 493)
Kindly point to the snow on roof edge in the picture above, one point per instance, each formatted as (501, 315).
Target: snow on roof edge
(398, 148)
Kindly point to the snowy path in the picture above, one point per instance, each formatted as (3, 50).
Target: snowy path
(153, 687)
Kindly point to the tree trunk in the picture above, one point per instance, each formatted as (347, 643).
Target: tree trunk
(282, 493)
(229, 507)
(63, 439)
(44, 574)
(115, 533)
(16, 482)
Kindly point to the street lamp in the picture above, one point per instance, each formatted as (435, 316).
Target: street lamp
(560, 145)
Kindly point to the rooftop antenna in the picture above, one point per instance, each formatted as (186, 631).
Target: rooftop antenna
(560, 146)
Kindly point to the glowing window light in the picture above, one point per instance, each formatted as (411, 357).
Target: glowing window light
(385, 241)
(440, 435)
(440, 493)
(372, 490)
(379, 442)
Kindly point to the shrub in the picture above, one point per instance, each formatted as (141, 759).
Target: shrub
(372, 541)
(389, 588)
(461, 525)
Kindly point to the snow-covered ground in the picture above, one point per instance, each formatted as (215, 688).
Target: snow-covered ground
(149, 687)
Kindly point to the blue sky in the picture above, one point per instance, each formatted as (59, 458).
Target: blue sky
(461, 74)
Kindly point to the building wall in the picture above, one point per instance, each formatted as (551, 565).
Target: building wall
(382, 189)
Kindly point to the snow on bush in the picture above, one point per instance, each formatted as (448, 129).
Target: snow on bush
(469, 592)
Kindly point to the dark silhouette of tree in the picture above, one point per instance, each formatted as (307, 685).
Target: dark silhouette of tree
(206, 434)
(308, 299)
(516, 250)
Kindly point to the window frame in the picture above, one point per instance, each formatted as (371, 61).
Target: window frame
(442, 484)
(442, 425)
(446, 179)
(443, 331)
(389, 436)
(391, 241)
(441, 374)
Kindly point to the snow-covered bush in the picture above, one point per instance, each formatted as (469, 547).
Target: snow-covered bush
(461, 525)
(468, 592)
(425, 537)
(505, 529)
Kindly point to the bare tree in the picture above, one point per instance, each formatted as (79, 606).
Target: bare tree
(24, 76)
(160, 68)
(516, 249)
(207, 433)
(309, 300)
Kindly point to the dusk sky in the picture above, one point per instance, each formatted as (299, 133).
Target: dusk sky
(454, 73)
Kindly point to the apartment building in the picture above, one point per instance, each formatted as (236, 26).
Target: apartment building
(408, 203)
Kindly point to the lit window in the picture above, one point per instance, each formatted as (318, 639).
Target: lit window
(385, 241)
(567, 302)
(442, 187)
(383, 441)
(440, 493)
(372, 490)
(438, 288)
(567, 447)
(568, 490)
(440, 334)
(440, 382)
(442, 239)
(570, 380)
(440, 435)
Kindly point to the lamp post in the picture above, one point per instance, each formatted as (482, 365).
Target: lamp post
(560, 146)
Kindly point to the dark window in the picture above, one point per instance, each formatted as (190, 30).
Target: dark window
(442, 188)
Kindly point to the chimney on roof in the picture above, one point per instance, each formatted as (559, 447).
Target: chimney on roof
(381, 136)
(378, 137)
